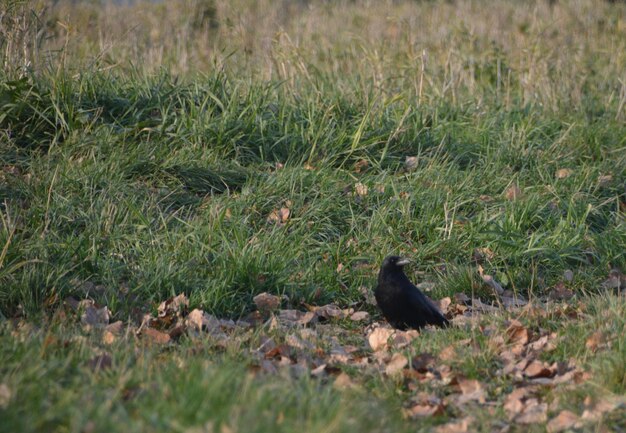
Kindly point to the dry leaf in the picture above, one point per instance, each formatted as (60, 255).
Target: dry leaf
(471, 389)
(108, 337)
(379, 337)
(563, 173)
(563, 421)
(173, 307)
(343, 381)
(115, 328)
(443, 304)
(534, 412)
(410, 163)
(605, 180)
(360, 189)
(594, 341)
(460, 426)
(295, 317)
(360, 316)
(403, 338)
(490, 281)
(95, 317)
(155, 336)
(266, 303)
(538, 369)
(396, 364)
(279, 216)
(423, 362)
(517, 333)
(424, 410)
(560, 293)
(200, 321)
(361, 165)
(513, 192)
(448, 353)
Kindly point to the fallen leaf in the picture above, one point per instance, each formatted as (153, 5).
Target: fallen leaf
(360, 316)
(100, 362)
(156, 336)
(361, 165)
(173, 307)
(410, 163)
(560, 293)
(595, 341)
(343, 381)
(295, 317)
(471, 389)
(517, 333)
(538, 369)
(403, 338)
(605, 180)
(279, 216)
(513, 192)
(443, 304)
(534, 412)
(115, 328)
(459, 426)
(490, 281)
(95, 317)
(108, 337)
(480, 255)
(448, 353)
(423, 362)
(563, 421)
(379, 337)
(564, 173)
(360, 189)
(616, 280)
(200, 321)
(396, 364)
(266, 303)
(424, 410)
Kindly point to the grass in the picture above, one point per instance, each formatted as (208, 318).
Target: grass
(143, 149)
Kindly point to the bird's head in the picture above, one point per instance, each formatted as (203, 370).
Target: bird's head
(395, 262)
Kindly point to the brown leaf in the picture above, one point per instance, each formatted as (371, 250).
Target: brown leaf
(605, 180)
(534, 412)
(266, 303)
(115, 328)
(360, 189)
(517, 333)
(200, 321)
(490, 281)
(155, 336)
(423, 362)
(410, 163)
(100, 362)
(448, 353)
(396, 364)
(458, 426)
(471, 389)
(330, 311)
(595, 341)
(560, 293)
(564, 173)
(360, 316)
(538, 369)
(514, 402)
(343, 381)
(513, 192)
(403, 338)
(443, 304)
(95, 317)
(426, 405)
(379, 337)
(279, 216)
(108, 337)
(361, 165)
(173, 307)
(295, 317)
(480, 255)
(563, 421)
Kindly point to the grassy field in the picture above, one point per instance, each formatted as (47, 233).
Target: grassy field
(225, 149)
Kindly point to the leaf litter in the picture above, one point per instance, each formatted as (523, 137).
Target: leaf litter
(316, 342)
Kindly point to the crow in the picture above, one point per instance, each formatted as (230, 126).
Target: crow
(402, 304)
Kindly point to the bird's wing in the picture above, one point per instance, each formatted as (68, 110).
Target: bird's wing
(424, 306)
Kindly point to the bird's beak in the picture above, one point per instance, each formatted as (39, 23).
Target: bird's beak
(403, 262)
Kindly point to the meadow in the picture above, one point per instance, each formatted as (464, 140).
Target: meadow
(222, 150)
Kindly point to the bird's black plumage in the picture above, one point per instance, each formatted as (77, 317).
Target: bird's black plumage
(402, 304)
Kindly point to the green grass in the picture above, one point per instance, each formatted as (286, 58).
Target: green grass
(143, 149)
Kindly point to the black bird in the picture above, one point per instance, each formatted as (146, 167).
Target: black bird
(402, 304)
